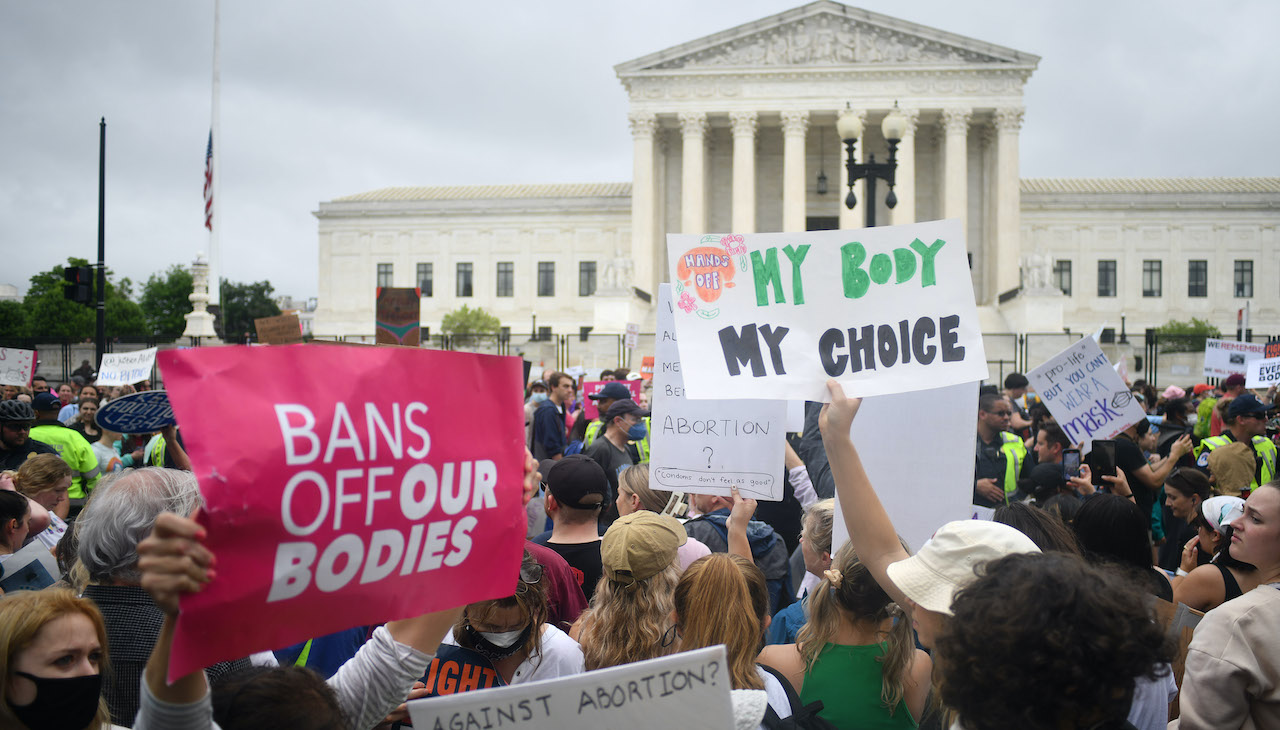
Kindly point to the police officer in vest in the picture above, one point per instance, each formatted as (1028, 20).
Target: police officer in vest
(1246, 422)
(608, 395)
(1000, 455)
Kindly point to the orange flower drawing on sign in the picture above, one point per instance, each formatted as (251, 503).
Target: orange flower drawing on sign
(708, 269)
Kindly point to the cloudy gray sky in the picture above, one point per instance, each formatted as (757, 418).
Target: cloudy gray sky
(322, 99)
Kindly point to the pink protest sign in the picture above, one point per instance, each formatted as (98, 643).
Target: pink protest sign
(344, 486)
(591, 387)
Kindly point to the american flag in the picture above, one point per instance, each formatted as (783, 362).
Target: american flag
(208, 184)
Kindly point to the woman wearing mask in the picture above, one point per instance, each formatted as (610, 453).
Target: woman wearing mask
(53, 651)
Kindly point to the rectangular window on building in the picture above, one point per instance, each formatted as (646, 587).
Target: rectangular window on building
(464, 280)
(384, 275)
(586, 278)
(426, 274)
(1244, 279)
(504, 334)
(1198, 278)
(1152, 278)
(544, 334)
(506, 279)
(1107, 278)
(1062, 276)
(546, 278)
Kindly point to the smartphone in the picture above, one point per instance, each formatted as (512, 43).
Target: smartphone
(1071, 462)
(1102, 462)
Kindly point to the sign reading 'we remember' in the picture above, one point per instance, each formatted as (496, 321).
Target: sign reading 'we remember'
(774, 315)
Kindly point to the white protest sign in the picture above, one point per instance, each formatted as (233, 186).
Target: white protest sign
(1085, 395)
(917, 449)
(632, 337)
(690, 689)
(1263, 373)
(774, 315)
(126, 368)
(795, 416)
(17, 366)
(705, 446)
(1225, 357)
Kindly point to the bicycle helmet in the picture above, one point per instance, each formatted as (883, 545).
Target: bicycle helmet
(15, 410)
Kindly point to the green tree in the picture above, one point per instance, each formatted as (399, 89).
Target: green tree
(13, 320)
(243, 303)
(1176, 336)
(50, 314)
(467, 321)
(165, 301)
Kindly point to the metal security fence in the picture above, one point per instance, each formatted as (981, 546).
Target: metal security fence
(58, 358)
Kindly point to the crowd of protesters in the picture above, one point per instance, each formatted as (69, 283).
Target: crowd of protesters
(1044, 615)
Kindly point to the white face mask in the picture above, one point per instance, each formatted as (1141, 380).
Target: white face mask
(504, 639)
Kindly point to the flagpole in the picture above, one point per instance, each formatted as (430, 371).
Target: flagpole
(215, 254)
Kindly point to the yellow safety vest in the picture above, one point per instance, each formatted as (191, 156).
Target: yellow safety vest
(1015, 453)
(642, 446)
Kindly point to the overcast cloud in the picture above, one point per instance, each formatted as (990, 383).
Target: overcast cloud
(322, 99)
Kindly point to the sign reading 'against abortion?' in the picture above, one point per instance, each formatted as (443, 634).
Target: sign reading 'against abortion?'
(1085, 395)
(775, 315)
(354, 491)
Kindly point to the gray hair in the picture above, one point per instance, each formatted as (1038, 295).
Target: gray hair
(122, 512)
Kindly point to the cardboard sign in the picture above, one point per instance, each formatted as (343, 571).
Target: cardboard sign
(353, 491)
(144, 412)
(397, 320)
(1085, 395)
(885, 430)
(591, 387)
(632, 338)
(1225, 357)
(646, 367)
(690, 689)
(126, 368)
(775, 315)
(1263, 373)
(706, 446)
(282, 330)
(17, 366)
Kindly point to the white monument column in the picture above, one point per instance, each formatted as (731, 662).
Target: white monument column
(744, 171)
(199, 320)
(1008, 199)
(644, 249)
(955, 123)
(905, 175)
(794, 126)
(693, 194)
(853, 217)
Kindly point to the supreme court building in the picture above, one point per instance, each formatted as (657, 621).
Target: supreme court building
(732, 132)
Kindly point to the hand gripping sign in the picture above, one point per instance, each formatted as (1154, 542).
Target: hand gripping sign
(359, 487)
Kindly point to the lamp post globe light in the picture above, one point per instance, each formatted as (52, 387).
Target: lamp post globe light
(849, 127)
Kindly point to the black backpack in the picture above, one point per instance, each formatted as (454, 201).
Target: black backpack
(804, 717)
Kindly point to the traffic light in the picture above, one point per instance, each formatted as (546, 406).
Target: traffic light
(79, 288)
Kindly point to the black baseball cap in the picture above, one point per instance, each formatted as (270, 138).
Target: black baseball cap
(1246, 403)
(575, 478)
(613, 390)
(622, 408)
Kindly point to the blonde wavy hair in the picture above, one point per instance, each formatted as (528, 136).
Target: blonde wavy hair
(723, 599)
(846, 594)
(22, 615)
(635, 480)
(819, 521)
(625, 623)
(40, 473)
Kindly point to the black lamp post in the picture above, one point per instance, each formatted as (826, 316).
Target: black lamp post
(849, 126)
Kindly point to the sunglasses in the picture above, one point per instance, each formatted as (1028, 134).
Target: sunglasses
(530, 575)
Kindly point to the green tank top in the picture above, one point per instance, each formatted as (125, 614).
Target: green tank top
(847, 680)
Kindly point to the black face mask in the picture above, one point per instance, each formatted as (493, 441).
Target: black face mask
(60, 704)
(492, 651)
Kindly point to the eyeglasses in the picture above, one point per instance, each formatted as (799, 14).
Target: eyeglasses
(18, 426)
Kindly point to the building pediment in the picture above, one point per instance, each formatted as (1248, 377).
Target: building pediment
(826, 34)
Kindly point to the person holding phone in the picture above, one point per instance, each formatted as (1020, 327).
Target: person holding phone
(1146, 478)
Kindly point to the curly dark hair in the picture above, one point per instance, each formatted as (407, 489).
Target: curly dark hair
(1043, 639)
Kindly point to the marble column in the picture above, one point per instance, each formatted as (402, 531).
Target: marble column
(905, 176)
(693, 193)
(794, 126)
(645, 251)
(744, 171)
(955, 124)
(853, 217)
(1008, 197)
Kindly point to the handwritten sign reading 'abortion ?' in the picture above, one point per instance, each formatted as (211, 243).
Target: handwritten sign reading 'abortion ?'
(709, 446)
(774, 315)
(690, 689)
(1085, 395)
(354, 491)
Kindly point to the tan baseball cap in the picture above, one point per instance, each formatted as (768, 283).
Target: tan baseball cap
(640, 545)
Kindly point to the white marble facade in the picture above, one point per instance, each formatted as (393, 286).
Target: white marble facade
(730, 132)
